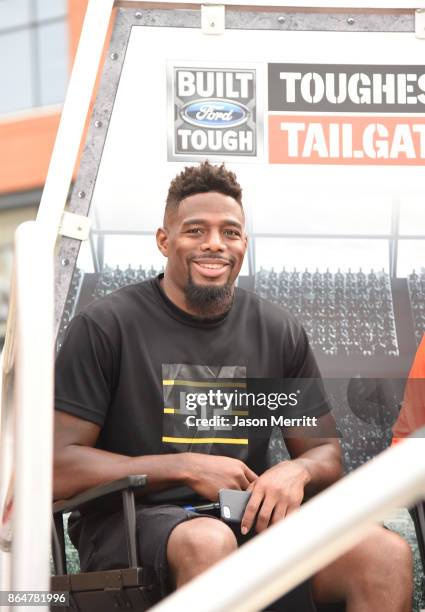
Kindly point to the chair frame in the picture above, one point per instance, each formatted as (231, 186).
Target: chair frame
(118, 589)
(418, 515)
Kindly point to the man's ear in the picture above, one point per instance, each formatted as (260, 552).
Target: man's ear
(162, 240)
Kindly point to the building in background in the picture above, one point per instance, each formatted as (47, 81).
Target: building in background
(38, 39)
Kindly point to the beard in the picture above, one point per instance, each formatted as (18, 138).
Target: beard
(208, 301)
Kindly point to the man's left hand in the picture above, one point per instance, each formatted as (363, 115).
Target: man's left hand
(275, 494)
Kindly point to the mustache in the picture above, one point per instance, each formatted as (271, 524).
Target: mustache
(230, 260)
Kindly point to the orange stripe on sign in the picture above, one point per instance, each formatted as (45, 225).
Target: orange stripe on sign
(365, 140)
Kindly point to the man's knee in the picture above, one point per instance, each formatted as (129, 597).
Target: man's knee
(198, 543)
(378, 568)
(393, 554)
(388, 550)
(383, 559)
(385, 568)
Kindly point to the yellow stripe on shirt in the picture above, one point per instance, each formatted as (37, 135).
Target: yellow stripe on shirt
(205, 440)
(194, 383)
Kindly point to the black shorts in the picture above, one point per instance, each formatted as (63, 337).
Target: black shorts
(101, 545)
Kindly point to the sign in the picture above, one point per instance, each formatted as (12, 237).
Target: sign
(346, 114)
(214, 112)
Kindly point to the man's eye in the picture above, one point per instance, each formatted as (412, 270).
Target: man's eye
(232, 233)
(194, 230)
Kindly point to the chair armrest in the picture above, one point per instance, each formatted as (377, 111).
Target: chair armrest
(110, 493)
(106, 492)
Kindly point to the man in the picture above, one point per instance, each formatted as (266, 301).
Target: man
(114, 373)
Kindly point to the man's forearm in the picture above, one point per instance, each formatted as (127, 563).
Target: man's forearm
(324, 467)
(79, 468)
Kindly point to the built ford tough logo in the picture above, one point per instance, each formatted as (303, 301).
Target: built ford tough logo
(214, 113)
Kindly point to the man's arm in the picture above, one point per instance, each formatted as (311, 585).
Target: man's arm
(79, 466)
(315, 464)
(320, 457)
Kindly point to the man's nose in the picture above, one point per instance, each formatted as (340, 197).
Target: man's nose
(213, 241)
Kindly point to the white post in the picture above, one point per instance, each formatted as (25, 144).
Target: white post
(297, 547)
(75, 109)
(33, 410)
(6, 450)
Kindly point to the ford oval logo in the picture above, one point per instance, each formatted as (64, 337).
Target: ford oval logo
(214, 113)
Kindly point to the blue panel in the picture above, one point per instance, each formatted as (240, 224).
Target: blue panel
(53, 58)
(16, 73)
(14, 13)
(48, 9)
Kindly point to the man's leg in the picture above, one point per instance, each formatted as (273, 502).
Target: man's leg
(375, 575)
(195, 545)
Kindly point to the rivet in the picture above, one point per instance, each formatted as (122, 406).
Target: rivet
(98, 124)
(65, 262)
(81, 195)
(281, 19)
(79, 228)
(138, 15)
(212, 24)
(114, 56)
(350, 21)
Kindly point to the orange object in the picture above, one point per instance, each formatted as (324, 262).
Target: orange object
(412, 413)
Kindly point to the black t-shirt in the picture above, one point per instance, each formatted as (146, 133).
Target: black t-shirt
(124, 357)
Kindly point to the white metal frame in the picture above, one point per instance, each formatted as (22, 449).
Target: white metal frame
(33, 407)
(74, 114)
(28, 566)
(353, 4)
(323, 529)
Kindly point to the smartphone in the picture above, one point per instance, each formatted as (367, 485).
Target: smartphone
(233, 504)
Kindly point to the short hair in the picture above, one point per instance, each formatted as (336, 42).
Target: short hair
(202, 179)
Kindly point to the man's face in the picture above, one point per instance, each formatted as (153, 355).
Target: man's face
(205, 243)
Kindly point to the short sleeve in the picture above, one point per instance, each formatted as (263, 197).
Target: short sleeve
(309, 383)
(84, 371)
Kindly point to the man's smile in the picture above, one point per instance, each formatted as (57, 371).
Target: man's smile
(210, 267)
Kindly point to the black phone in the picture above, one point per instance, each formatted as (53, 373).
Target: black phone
(233, 504)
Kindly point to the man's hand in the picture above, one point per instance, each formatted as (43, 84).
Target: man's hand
(275, 494)
(207, 474)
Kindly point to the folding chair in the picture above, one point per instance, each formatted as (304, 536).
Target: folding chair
(132, 587)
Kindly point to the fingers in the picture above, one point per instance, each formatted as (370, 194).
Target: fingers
(265, 514)
(263, 511)
(292, 508)
(280, 511)
(251, 476)
(243, 482)
(251, 511)
(283, 509)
